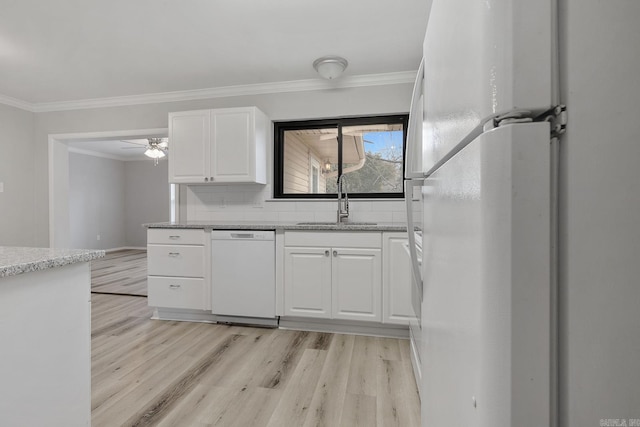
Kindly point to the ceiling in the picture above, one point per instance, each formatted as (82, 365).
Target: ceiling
(117, 149)
(68, 50)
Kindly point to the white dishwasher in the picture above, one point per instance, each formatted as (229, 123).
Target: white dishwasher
(243, 273)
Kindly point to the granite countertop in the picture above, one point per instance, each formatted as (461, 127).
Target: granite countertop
(18, 260)
(271, 225)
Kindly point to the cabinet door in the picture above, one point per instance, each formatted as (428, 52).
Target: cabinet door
(233, 150)
(356, 284)
(307, 282)
(189, 133)
(396, 281)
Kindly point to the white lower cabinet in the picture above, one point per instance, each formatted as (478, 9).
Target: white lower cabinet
(330, 281)
(307, 282)
(177, 266)
(396, 281)
(356, 284)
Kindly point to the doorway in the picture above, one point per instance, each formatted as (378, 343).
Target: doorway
(59, 178)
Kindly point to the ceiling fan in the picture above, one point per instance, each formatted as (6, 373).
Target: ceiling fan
(155, 147)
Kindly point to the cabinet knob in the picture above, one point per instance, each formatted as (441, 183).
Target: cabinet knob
(335, 253)
(326, 253)
(206, 179)
(211, 179)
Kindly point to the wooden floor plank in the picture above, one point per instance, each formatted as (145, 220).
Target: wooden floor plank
(296, 397)
(328, 399)
(359, 410)
(398, 404)
(364, 362)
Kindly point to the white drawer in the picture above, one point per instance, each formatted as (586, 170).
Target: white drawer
(175, 236)
(330, 239)
(175, 260)
(176, 292)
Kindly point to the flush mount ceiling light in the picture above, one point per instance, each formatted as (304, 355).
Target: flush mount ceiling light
(330, 67)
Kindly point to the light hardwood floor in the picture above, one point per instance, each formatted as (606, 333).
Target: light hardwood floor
(121, 272)
(162, 373)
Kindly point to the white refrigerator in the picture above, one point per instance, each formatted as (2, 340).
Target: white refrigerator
(483, 152)
(529, 312)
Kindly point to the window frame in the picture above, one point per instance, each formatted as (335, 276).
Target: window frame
(280, 127)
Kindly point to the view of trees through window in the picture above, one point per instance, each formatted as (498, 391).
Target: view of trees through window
(371, 151)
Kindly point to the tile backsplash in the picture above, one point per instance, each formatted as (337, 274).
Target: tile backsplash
(252, 202)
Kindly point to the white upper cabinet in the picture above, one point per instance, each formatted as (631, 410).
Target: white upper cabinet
(227, 145)
(189, 135)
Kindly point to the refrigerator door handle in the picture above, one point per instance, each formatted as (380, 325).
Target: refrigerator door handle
(490, 122)
(414, 121)
(408, 196)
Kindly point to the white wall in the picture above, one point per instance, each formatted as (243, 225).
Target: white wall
(600, 213)
(146, 198)
(18, 175)
(96, 202)
(389, 99)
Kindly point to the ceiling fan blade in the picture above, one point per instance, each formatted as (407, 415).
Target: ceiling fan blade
(138, 142)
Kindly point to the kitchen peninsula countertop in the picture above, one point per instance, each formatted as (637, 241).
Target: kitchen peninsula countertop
(273, 225)
(18, 260)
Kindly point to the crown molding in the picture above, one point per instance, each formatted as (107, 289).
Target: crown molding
(404, 77)
(18, 103)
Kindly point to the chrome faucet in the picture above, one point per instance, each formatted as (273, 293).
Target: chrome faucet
(343, 202)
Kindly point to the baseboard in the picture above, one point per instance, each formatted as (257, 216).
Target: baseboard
(248, 321)
(415, 363)
(345, 327)
(293, 323)
(185, 315)
(124, 248)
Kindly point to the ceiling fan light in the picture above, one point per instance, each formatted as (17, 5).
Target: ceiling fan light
(154, 153)
(330, 67)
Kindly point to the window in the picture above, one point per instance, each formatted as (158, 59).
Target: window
(368, 151)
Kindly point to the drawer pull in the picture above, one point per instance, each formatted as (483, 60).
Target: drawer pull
(174, 237)
(175, 286)
(174, 253)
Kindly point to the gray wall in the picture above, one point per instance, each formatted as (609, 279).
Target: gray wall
(600, 213)
(283, 106)
(146, 198)
(113, 198)
(17, 172)
(96, 202)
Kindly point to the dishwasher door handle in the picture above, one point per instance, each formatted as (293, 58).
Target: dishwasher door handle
(242, 235)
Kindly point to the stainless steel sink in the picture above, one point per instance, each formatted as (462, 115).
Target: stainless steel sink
(336, 223)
